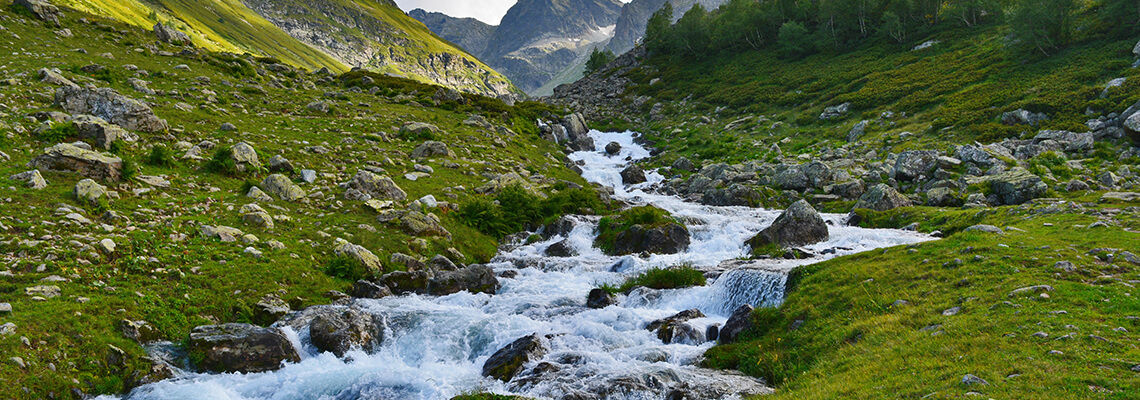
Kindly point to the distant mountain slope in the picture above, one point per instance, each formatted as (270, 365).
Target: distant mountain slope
(338, 34)
(469, 33)
(635, 17)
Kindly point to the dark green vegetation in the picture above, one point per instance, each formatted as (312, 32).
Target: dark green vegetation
(648, 217)
(676, 277)
(841, 333)
(163, 270)
(598, 59)
(731, 64)
(515, 209)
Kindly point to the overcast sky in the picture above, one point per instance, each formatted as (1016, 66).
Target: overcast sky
(489, 11)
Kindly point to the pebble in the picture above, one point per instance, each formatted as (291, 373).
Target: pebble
(7, 329)
(952, 311)
(5, 309)
(18, 361)
(971, 379)
(253, 252)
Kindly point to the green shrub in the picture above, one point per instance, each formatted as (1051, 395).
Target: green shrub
(160, 156)
(130, 171)
(222, 163)
(514, 209)
(58, 133)
(345, 268)
(666, 278)
(647, 216)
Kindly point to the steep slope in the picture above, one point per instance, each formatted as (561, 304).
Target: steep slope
(540, 38)
(377, 35)
(215, 25)
(635, 16)
(468, 33)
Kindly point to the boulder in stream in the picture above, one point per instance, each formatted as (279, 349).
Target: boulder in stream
(799, 225)
(240, 348)
(508, 361)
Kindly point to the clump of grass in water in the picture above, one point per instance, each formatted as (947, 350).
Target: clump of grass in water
(677, 277)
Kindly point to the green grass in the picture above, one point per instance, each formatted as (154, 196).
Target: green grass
(677, 277)
(837, 334)
(181, 281)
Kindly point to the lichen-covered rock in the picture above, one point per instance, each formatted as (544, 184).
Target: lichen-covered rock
(257, 194)
(41, 9)
(418, 129)
(240, 348)
(244, 156)
(170, 35)
(54, 78)
(1023, 117)
(32, 179)
(1017, 186)
(280, 164)
(101, 132)
(882, 197)
(358, 254)
(423, 224)
(282, 187)
(139, 331)
(432, 148)
(69, 158)
(915, 164)
(90, 193)
(799, 225)
(109, 105)
(508, 361)
(942, 197)
(376, 186)
(254, 215)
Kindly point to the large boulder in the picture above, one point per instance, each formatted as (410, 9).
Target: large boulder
(600, 298)
(32, 179)
(337, 330)
(170, 35)
(976, 155)
(670, 238)
(282, 187)
(376, 186)
(674, 329)
(54, 78)
(740, 321)
(882, 197)
(913, 165)
(111, 106)
(508, 361)
(69, 158)
(90, 193)
(41, 9)
(244, 156)
(1023, 117)
(799, 225)
(577, 133)
(240, 348)
(418, 129)
(359, 255)
(1132, 127)
(101, 132)
(1017, 186)
(432, 148)
(474, 278)
(633, 175)
(423, 224)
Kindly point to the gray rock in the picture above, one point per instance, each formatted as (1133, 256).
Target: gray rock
(508, 361)
(338, 330)
(847, 190)
(418, 129)
(54, 78)
(633, 175)
(139, 331)
(474, 278)
(228, 127)
(109, 105)
(45, 291)
(561, 248)
(986, 229)
(240, 348)
(913, 165)
(432, 148)
(740, 321)
(971, 380)
(1023, 117)
(244, 156)
(269, 309)
(5, 309)
(255, 215)
(684, 164)
(90, 193)
(7, 329)
(1132, 127)
(101, 132)
(599, 298)
(882, 198)
(799, 225)
(835, 111)
(1017, 186)
(283, 188)
(671, 238)
(1077, 185)
(360, 255)
(942, 197)
(279, 164)
(170, 35)
(309, 176)
(41, 9)
(613, 148)
(106, 246)
(258, 195)
(69, 158)
(380, 187)
(32, 179)
(1031, 290)
(673, 329)
(423, 224)
(857, 131)
(441, 263)
(368, 290)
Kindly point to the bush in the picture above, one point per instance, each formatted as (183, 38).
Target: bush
(58, 133)
(130, 171)
(514, 209)
(222, 163)
(666, 278)
(160, 156)
(345, 268)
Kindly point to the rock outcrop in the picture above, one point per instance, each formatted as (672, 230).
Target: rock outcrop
(109, 105)
(69, 158)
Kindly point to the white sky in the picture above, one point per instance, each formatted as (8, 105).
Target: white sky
(489, 11)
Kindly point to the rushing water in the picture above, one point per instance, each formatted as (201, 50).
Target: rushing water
(435, 347)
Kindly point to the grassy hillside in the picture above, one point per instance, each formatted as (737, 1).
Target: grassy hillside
(216, 25)
(163, 270)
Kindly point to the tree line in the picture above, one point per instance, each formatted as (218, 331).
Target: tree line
(796, 28)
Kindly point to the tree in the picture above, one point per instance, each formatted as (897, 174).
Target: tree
(1043, 25)
(692, 31)
(657, 30)
(794, 40)
(1121, 16)
(598, 60)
